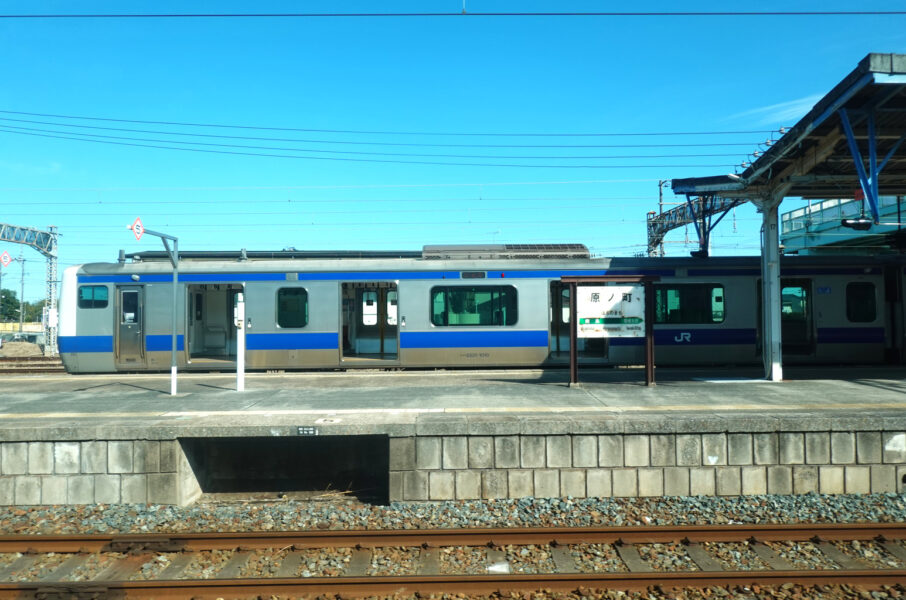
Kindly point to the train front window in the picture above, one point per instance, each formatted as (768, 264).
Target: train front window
(487, 305)
(93, 296)
(689, 303)
(861, 305)
(292, 307)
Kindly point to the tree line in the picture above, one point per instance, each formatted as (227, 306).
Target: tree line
(9, 308)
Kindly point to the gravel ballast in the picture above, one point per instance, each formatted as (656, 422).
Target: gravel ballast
(526, 512)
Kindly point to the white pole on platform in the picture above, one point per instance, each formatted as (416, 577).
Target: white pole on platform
(240, 342)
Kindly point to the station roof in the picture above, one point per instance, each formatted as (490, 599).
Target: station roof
(813, 159)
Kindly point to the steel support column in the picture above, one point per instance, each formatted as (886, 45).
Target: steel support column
(771, 348)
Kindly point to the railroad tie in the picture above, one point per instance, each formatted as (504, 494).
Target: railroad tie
(176, 568)
(428, 562)
(123, 568)
(497, 562)
(839, 557)
(235, 565)
(290, 566)
(629, 554)
(774, 560)
(701, 557)
(68, 566)
(896, 550)
(563, 559)
(22, 563)
(359, 563)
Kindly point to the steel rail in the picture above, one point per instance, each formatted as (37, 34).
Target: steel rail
(427, 538)
(422, 584)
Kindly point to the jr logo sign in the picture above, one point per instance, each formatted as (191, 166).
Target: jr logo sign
(684, 336)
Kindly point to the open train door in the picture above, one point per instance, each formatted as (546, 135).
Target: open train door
(370, 334)
(797, 321)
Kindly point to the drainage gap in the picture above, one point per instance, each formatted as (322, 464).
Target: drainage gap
(293, 467)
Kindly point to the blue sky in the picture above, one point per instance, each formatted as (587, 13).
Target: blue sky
(411, 79)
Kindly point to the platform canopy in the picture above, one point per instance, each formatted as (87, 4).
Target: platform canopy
(850, 141)
(849, 145)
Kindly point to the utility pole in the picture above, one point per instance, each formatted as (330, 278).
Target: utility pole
(21, 259)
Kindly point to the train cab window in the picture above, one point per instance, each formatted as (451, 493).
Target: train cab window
(689, 303)
(860, 302)
(93, 296)
(485, 305)
(292, 307)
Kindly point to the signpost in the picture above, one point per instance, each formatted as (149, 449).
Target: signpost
(239, 322)
(5, 260)
(139, 230)
(611, 306)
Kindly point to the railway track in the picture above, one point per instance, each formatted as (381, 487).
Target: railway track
(30, 365)
(481, 561)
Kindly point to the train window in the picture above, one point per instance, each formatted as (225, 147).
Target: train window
(93, 296)
(485, 305)
(292, 307)
(392, 301)
(689, 303)
(369, 307)
(860, 302)
(130, 307)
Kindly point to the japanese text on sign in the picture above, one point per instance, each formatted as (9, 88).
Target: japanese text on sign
(611, 311)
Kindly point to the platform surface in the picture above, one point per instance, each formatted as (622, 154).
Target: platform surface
(451, 403)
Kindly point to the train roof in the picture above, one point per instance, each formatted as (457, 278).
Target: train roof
(431, 252)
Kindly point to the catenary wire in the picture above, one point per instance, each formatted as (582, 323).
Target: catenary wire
(485, 134)
(363, 143)
(367, 160)
(359, 15)
(360, 153)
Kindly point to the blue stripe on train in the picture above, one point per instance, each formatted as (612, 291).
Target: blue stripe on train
(70, 344)
(692, 337)
(473, 339)
(162, 343)
(292, 341)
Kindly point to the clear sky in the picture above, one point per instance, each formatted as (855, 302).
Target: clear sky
(395, 132)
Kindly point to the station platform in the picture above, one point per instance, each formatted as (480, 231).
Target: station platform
(444, 435)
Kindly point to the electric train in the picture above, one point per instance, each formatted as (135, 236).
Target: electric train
(462, 306)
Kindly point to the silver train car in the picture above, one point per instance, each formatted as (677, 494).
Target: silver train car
(462, 306)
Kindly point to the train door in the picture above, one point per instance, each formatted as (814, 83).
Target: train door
(130, 331)
(797, 322)
(560, 326)
(212, 336)
(370, 327)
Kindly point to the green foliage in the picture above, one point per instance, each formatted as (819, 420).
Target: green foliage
(9, 308)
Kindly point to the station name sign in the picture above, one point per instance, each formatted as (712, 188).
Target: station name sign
(606, 311)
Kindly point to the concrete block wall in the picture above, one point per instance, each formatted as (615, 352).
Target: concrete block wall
(460, 467)
(95, 471)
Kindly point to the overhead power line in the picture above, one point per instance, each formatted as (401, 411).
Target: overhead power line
(360, 153)
(364, 132)
(368, 160)
(800, 13)
(364, 143)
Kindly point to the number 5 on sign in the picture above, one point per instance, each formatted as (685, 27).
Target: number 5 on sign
(137, 228)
